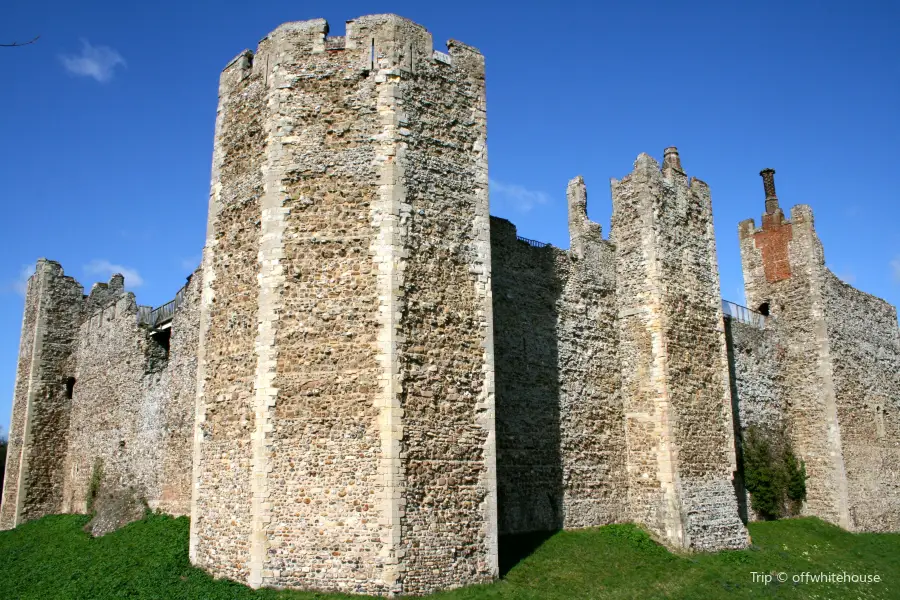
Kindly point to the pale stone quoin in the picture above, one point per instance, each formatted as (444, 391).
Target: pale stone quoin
(369, 379)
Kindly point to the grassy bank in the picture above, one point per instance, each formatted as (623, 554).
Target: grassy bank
(54, 559)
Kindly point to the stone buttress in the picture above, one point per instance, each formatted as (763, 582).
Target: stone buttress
(42, 396)
(344, 432)
(673, 357)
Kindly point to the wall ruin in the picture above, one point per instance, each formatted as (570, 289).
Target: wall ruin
(673, 353)
(560, 422)
(865, 346)
(102, 390)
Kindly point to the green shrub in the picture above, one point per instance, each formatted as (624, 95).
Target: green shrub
(796, 477)
(774, 476)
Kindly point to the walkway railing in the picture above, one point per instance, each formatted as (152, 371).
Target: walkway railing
(743, 314)
(155, 317)
(532, 243)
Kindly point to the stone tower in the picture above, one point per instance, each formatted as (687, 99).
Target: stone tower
(674, 371)
(344, 432)
(38, 431)
(785, 277)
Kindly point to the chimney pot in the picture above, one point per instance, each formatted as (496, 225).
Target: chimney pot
(768, 176)
(671, 160)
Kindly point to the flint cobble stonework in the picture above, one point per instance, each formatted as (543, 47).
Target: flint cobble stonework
(132, 403)
(680, 440)
(560, 422)
(368, 454)
(755, 353)
(865, 346)
(832, 376)
(39, 427)
(369, 379)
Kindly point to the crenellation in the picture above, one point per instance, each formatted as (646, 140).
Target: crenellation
(369, 379)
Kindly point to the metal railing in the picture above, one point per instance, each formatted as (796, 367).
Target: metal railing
(532, 243)
(154, 317)
(743, 314)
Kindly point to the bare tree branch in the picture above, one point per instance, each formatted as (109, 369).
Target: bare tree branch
(17, 44)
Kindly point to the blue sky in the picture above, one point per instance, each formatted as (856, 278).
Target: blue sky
(107, 123)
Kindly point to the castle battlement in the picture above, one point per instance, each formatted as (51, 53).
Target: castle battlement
(370, 379)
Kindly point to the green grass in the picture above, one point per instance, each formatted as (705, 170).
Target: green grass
(54, 559)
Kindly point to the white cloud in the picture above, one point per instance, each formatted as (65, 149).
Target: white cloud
(895, 269)
(520, 197)
(107, 269)
(98, 62)
(20, 285)
(740, 297)
(847, 277)
(191, 263)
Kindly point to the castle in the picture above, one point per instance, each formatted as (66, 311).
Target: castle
(369, 379)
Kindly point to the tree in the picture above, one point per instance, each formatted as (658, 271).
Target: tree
(18, 45)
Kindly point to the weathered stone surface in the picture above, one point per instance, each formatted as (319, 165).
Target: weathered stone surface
(833, 379)
(560, 424)
(39, 428)
(673, 358)
(796, 303)
(130, 408)
(355, 402)
(115, 508)
(865, 346)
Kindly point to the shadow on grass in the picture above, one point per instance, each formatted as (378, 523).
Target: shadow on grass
(516, 548)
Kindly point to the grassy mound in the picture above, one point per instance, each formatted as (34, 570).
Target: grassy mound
(53, 559)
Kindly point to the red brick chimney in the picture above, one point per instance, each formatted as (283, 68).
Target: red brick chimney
(768, 176)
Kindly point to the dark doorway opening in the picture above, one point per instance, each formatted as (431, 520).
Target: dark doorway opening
(162, 337)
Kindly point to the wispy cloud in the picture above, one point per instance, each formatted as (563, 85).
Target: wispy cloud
(20, 285)
(191, 262)
(520, 197)
(98, 62)
(107, 269)
(847, 277)
(895, 269)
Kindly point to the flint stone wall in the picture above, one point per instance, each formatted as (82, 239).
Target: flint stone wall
(755, 355)
(783, 264)
(346, 375)
(757, 390)
(865, 347)
(673, 358)
(40, 421)
(326, 409)
(94, 385)
(132, 403)
(560, 423)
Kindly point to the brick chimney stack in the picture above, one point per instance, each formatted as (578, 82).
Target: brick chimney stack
(768, 176)
(671, 160)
